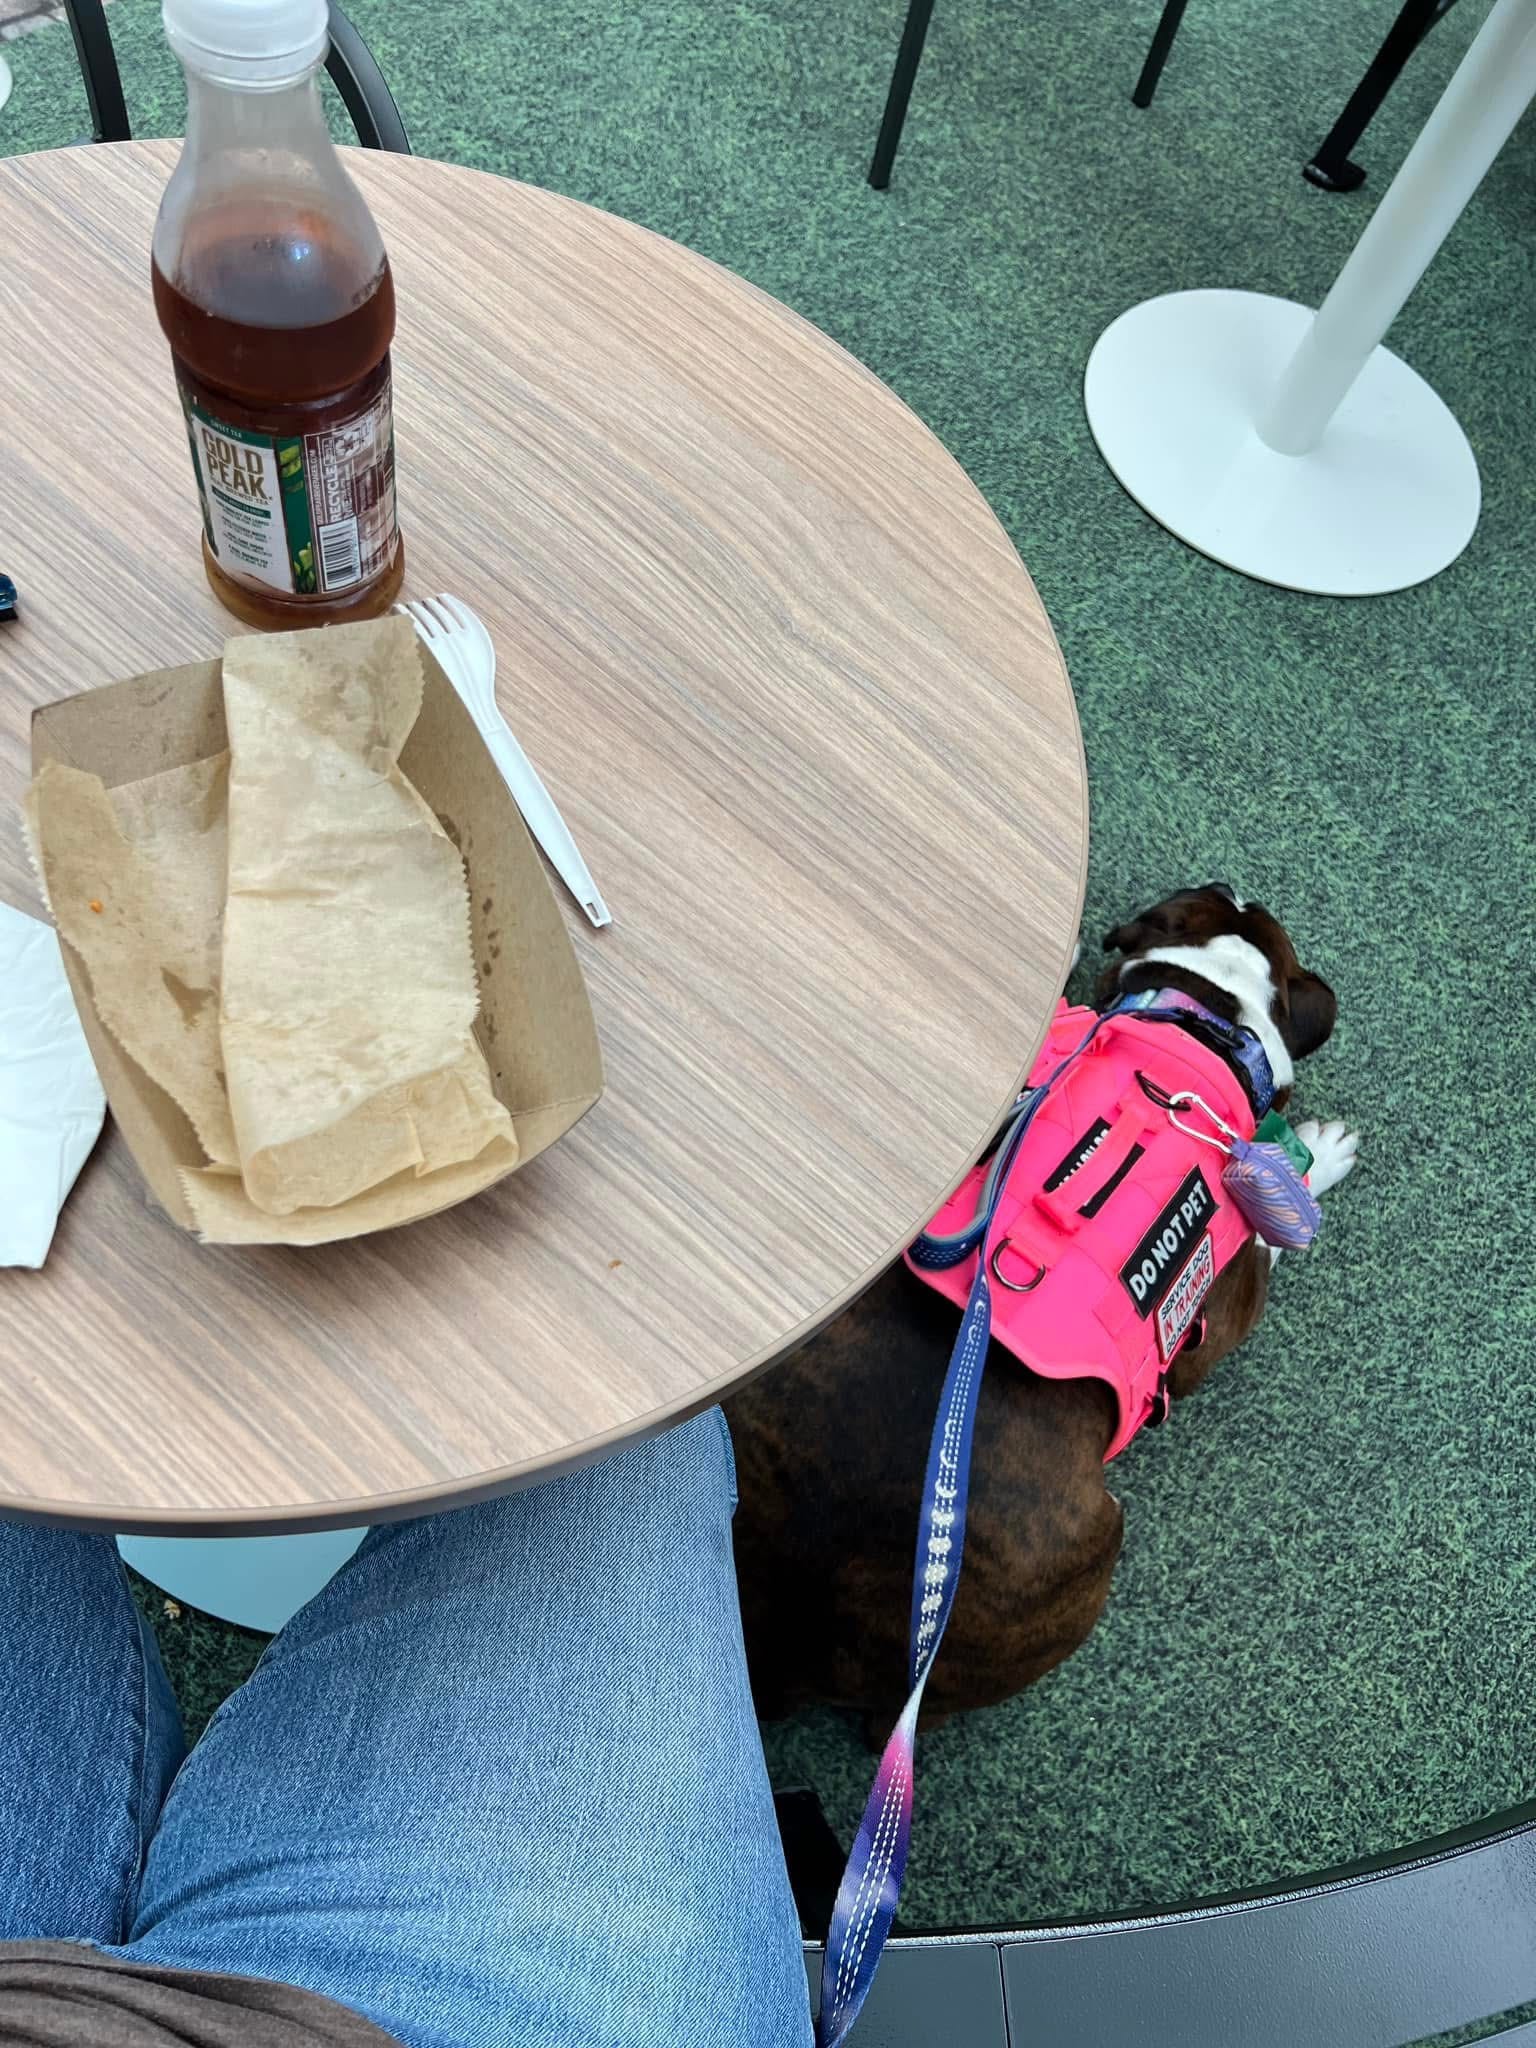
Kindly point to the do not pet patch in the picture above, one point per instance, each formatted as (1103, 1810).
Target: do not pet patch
(1151, 1270)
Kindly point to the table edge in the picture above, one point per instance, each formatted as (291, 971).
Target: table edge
(307, 1518)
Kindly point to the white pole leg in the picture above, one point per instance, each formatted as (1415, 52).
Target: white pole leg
(1492, 87)
(1293, 446)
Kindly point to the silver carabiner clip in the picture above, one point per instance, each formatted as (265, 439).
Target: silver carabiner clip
(1187, 1099)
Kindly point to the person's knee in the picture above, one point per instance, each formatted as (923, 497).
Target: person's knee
(684, 1477)
(687, 1472)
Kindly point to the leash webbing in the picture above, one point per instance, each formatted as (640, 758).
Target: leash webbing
(871, 1886)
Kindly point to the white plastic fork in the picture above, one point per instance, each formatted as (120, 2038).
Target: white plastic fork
(467, 655)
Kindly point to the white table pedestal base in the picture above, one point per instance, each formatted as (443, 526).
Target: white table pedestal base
(1294, 447)
(1388, 496)
(256, 1581)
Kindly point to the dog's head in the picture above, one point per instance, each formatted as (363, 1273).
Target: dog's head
(1234, 957)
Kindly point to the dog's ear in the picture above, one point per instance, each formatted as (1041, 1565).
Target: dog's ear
(1312, 1010)
(1147, 928)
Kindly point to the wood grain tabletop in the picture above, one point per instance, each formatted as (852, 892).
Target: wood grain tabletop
(808, 721)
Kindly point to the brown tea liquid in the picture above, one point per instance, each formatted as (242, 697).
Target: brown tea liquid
(281, 347)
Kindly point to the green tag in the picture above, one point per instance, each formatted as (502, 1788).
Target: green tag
(1276, 1131)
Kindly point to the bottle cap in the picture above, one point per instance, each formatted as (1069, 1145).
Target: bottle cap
(247, 42)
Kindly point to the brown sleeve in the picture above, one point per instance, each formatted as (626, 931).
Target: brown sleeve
(47, 1989)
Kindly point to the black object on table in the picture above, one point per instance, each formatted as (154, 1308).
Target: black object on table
(8, 605)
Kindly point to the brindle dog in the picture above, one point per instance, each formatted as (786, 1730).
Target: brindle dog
(831, 1446)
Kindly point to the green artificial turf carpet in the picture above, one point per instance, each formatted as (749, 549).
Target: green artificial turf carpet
(1320, 1638)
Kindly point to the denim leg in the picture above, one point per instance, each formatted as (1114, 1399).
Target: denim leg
(501, 1782)
(89, 1737)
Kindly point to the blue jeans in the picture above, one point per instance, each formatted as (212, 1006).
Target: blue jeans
(499, 1783)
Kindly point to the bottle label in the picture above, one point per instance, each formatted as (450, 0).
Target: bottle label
(307, 514)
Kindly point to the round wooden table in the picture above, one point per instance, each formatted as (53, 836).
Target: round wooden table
(808, 721)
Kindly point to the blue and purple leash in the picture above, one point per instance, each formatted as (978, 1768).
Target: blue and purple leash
(871, 1886)
(1275, 1198)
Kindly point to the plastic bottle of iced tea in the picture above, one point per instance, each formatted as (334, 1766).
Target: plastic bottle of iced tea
(274, 292)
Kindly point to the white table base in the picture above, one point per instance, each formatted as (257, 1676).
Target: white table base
(1388, 496)
(256, 1581)
(1301, 451)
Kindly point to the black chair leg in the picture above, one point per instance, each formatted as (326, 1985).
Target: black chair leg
(367, 98)
(98, 68)
(908, 57)
(1157, 56)
(1331, 168)
(814, 1857)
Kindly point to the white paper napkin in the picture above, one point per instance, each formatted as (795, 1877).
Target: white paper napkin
(51, 1104)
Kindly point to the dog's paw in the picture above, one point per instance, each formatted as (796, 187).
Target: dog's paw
(1334, 1148)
